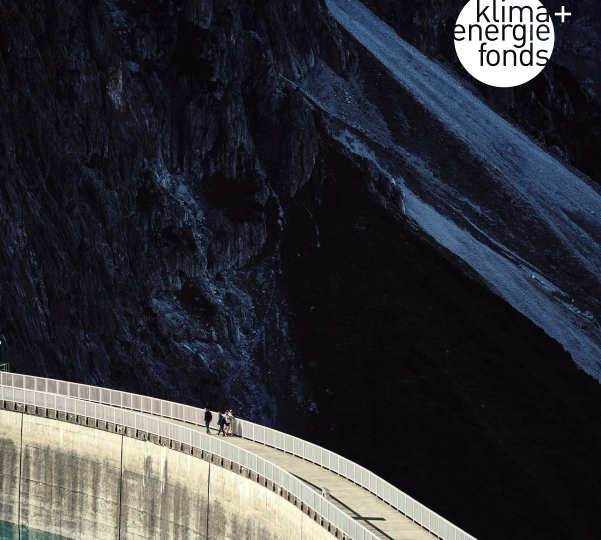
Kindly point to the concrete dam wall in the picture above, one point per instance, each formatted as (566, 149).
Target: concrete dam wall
(86, 483)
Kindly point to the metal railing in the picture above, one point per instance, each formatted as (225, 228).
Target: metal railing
(4, 367)
(399, 500)
(197, 441)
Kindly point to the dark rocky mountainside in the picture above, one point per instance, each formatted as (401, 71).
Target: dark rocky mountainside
(177, 219)
(561, 107)
(578, 43)
(143, 147)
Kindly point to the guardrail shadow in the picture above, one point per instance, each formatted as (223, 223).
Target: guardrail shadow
(351, 511)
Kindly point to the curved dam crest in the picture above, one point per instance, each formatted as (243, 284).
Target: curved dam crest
(78, 482)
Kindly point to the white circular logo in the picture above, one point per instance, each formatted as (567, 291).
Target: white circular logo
(504, 43)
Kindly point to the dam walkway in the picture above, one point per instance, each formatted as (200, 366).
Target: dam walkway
(374, 514)
(361, 506)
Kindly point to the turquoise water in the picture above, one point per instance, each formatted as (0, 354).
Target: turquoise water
(12, 532)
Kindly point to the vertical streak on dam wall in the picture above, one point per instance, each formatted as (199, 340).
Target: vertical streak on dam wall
(165, 493)
(70, 479)
(10, 464)
(84, 483)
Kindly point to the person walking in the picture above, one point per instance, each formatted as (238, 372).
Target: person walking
(221, 424)
(228, 420)
(208, 418)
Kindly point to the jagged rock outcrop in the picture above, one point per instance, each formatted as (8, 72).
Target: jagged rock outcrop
(143, 147)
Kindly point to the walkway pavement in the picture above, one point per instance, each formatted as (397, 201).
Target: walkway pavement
(373, 513)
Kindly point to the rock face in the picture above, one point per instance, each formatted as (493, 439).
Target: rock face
(144, 145)
(578, 44)
(177, 219)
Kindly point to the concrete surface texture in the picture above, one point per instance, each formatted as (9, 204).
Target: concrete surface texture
(84, 483)
(70, 479)
(243, 509)
(10, 464)
(165, 493)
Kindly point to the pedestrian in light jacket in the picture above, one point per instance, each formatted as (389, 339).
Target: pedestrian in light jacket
(228, 420)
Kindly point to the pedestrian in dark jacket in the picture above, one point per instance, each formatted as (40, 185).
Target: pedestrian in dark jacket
(208, 418)
(221, 423)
